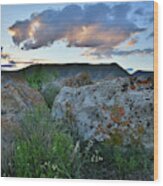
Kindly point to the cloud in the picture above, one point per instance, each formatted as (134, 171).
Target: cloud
(96, 54)
(151, 19)
(147, 51)
(139, 11)
(5, 56)
(99, 28)
(132, 42)
(130, 70)
(144, 13)
(121, 11)
(151, 35)
(7, 66)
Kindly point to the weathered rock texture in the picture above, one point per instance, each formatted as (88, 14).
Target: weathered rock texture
(118, 110)
(51, 89)
(16, 98)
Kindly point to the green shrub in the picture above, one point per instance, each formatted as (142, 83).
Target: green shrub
(37, 78)
(41, 150)
(34, 159)
(127, 162)
(49, 93)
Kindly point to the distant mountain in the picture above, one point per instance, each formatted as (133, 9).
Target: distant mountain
(143, 74)
(96, 72)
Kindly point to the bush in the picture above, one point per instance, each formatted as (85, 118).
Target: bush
(41, 150)
(37, 78)
(34, 159)
(125, 163)
(49, 93)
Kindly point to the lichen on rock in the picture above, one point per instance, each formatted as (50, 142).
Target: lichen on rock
(102, 108)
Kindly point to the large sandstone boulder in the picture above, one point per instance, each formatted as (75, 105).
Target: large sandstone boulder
(51, 89)
(17, 98)
(110, 110)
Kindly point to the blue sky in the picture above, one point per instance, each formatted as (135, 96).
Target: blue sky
(80, 33)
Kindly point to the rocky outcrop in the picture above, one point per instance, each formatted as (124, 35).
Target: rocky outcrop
(51, 89)
(17, 98)
(114, 110)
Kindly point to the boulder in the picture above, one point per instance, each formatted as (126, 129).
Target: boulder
(79, 80)
(107, 111)
(17, 98)
(51, 89)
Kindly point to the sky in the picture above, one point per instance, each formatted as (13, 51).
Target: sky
(96, 33)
